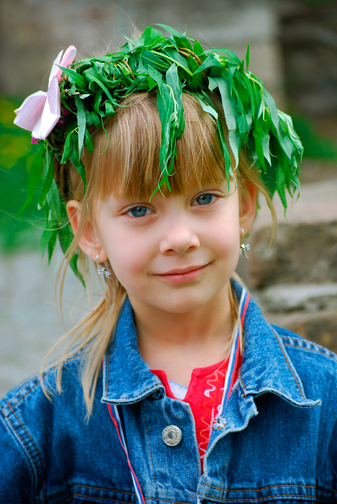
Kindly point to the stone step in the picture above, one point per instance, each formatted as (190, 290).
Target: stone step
(302, 297)
(302, 253)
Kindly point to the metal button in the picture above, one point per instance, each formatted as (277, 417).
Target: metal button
(172, 435)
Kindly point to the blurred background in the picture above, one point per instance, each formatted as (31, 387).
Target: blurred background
(293, 49)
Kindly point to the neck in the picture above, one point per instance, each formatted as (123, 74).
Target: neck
(180, 342)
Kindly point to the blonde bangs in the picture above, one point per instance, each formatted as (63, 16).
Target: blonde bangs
(129, 161)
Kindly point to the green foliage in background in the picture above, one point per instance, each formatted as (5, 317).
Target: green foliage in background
(16, 154)
(316, 146)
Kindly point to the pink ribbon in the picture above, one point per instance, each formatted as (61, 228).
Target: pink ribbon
(40, 111)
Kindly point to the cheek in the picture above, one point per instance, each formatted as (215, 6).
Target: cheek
(229, 245)
(128, 255)
(225, 233)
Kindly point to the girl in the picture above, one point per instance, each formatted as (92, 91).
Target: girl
(174, 389)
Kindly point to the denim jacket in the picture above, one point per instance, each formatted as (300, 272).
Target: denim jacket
(276, 441)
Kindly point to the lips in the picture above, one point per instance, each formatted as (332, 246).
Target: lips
(179, 271)
(183, 275)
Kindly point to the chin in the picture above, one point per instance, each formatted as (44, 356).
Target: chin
(184, 303)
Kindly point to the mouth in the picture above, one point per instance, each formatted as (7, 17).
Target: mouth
(184, 275)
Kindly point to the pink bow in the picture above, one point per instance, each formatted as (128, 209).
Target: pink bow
(41, 111)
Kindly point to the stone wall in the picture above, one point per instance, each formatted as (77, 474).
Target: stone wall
(34, 31)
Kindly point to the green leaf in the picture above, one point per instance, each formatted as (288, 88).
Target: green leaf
(207, 108)
(280, 183)
(181, 61)
(156, 76)
(198, 49)
(210, 62)
(52, 243)
(75, 78)
(228, 53)
(234, 142)
(152, 59)
(66, 236)
(48, 238)
(212, 84)
(228, 103)
(48, 176)
(150, 33)
(251, 101)
(34, 177)
(152, 83)
(78, 165)
(257, 134)
(54, 202)
(179, 38)
(226, 154)
(66, 148)
(88, 142)
(175, 62)
(247, 58)
(97, 102)
(109, 109)
(269, 101)
(81, 122)
(92, 119)
(102, 86)
(173, 81)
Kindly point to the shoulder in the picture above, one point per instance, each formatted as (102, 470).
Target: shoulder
(315, 364)
(304, 348)
(31, 394)
(29, 420)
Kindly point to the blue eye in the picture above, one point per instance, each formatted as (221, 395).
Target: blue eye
(138, 211)
(204, 199)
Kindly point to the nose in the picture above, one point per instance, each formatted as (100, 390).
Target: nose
(178, 237)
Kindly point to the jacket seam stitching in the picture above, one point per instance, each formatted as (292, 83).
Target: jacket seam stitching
(102, 488)
(316, 350)
(270, 496)
(27, 392)
(29, 436)
(148, 443)
(89, 487)
(107, 374)
(24, 444)
(262, 488)
(166, 500)
(284, 355)
(107, 499)
(331, 490)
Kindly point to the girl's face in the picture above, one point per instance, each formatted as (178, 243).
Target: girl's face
(174, 253)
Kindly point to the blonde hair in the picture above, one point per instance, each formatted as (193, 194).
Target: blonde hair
(129, 161)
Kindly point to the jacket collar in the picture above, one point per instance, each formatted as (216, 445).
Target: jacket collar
(266, 366)
(126, 377)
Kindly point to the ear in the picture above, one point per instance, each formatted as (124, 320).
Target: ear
(89, 241)
(248, 207)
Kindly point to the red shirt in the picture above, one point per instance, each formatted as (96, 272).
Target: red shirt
(204, 395)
